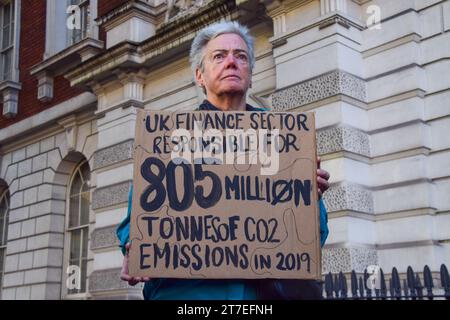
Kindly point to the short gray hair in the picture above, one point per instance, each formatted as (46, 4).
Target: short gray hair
(212, 31)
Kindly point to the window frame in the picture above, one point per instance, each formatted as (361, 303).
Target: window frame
(14, 40)
(68, 231)
(86, 21)
(4, 50)
(56, 32)
(4, 196)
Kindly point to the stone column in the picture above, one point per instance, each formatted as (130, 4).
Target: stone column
(113, 165)
(319, 67)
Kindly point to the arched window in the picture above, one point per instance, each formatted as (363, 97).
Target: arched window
(4, 219)
(78, 225)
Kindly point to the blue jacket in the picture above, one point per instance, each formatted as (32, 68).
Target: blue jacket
(199, 289)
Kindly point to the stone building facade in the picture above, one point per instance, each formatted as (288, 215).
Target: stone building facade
(376, 73)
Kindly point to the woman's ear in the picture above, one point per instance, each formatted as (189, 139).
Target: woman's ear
(199, 78)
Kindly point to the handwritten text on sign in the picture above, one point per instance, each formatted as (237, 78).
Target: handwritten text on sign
(225, 195)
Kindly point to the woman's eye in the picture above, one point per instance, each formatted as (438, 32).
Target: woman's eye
(243, 57)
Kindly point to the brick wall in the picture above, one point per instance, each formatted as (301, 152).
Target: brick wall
(31, 51)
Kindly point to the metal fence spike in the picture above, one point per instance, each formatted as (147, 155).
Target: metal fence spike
(329, 285)
(368, 290)
(361, 287)
(428, 281)
(419, 287)
(445, 281)
(354, 284)
(336, 286)
(391, 289)
(343, 285)
(405, 289)
(383, 291)
(411, 286)
(411, 282)
(396, 283)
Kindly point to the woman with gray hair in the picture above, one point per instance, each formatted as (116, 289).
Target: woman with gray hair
(222, 60)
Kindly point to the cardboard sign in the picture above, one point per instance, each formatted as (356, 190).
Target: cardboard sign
(225, 195)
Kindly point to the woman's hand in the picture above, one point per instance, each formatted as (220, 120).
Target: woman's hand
(322, 179)
(132, 281)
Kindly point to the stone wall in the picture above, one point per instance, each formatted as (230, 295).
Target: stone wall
(382, 114)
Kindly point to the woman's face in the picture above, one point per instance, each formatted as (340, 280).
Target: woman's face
(226, 66)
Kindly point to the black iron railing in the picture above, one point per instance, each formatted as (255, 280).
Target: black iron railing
(413, 287)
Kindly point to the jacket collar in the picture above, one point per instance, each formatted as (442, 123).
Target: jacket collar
(206, 105)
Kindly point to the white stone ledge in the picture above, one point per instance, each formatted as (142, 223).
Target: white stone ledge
(389, 9)
(115, 176)
(297, 46)
(407, 229)
(442, 200)
(344, 169)
(414, 135)
(392, 59)
(45, 117)
(108, 260)
(442, 226)
(185, 99)
(436, 105)
(419, 35)
(403, 171)
(400, 240)
(416, 257)
(35, 234)
(308, 31)
(110, 217)
(396, 113)
(440, 133)
(435, 48)
(431, 20)
(109, 136)
(412, 78)
(446, 14)
(114, 117)
(400, 170)
(321, 61)
(392, 29)
(403, 198)
(351, 229)
(393, 215)
(405, 39)
(438, 75)
(409, 94)
(341, 113)
(13, 279)
(169, 86)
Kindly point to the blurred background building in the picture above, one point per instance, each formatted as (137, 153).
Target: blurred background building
(73, 73)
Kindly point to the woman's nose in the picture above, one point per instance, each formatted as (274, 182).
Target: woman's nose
(230, 60)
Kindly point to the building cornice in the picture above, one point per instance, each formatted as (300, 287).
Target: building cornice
(22, 130)
(169, 37)
(59, 60)
(130, 6)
